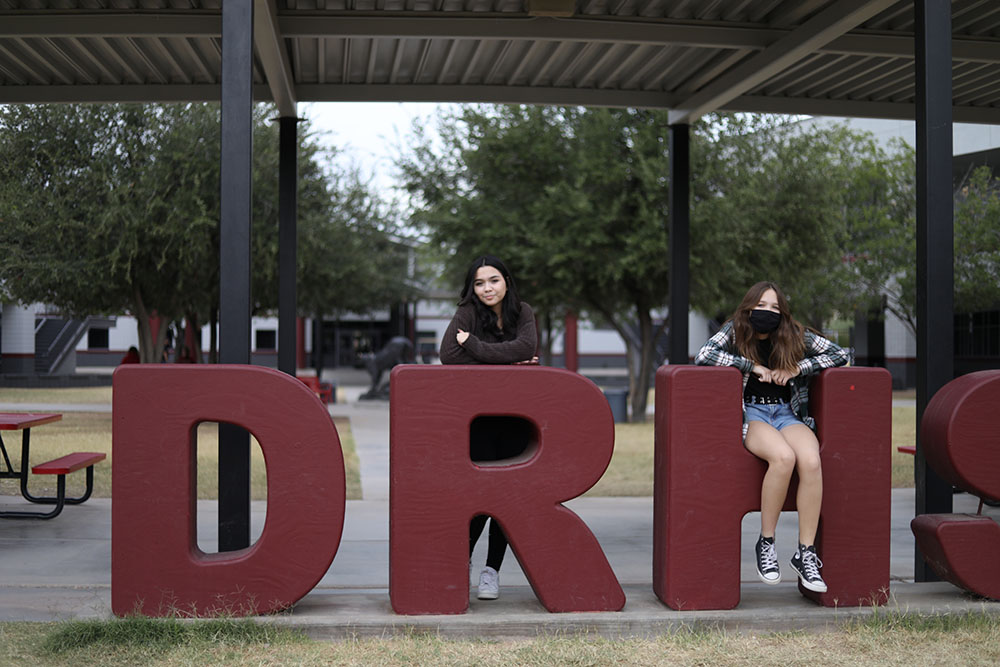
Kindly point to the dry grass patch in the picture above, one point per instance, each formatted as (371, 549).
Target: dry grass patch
(631, 470)
(886, 638)
(89, 395)
(91, 432)
(904, 432)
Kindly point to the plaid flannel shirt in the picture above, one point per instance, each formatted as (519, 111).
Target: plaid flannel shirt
(820, 353)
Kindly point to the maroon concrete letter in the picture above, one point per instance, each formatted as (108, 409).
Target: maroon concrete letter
(961, 442)
(705, 481)
(156, 566)
(436, 489)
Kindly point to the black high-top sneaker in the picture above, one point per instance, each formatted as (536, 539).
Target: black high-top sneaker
(767, 561)
(807, 564)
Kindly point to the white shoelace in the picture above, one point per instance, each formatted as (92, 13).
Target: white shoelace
(811, 564)
(768, 557)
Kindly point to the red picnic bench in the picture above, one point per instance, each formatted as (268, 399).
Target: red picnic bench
(323, 389)
(61, 466)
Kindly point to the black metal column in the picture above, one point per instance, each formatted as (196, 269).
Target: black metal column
(935, 240)
(680, 241)
(287, 242)
(234, 260)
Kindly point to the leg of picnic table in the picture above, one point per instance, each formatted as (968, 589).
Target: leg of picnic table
(59, 502)
(9, 473)
(60, 497)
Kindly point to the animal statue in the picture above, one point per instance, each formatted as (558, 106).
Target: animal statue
(398, 350)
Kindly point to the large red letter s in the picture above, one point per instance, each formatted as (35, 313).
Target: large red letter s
(156, 566)
(961, 442)
(436, 488)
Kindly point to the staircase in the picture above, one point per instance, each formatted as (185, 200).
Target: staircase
(56, 339)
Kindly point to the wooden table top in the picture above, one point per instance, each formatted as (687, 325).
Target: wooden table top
(15, 421)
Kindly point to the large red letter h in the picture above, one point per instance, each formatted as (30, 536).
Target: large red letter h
(706, 481)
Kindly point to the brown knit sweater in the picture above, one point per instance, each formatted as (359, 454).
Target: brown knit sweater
(489, 349)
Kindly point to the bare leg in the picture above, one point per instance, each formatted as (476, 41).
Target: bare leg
(765, 442)
(809, 498)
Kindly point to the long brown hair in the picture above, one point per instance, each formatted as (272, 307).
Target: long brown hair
(787, 341)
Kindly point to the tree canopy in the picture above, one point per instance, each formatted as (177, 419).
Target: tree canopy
(576, 201)
(112, 209)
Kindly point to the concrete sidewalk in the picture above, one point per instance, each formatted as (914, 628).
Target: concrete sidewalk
(61, 569)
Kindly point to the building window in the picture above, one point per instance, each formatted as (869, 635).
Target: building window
(977, 334)
(97, 339)
(267, 339)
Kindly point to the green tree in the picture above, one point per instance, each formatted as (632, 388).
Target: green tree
(111, 209)
(572, 199)
(481, 194)
(977, 241)
(579, 198)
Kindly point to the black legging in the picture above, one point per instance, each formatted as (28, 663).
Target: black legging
(492, 439)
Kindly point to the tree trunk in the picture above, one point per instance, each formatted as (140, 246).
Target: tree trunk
(640, 393)
(191, 337)
(547, 339)
(161, 339)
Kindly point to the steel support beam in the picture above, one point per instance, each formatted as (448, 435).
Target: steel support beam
(935, 239)
(287, 242)
(274, 56)
(234, 260)
(808, 38)
(680, 241)
(202, 24)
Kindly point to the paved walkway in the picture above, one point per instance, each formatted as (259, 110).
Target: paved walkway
(61, 568)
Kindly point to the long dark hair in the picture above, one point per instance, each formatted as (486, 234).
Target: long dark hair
(787, 341)
(510, 307)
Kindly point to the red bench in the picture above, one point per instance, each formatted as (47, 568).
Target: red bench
(61, 466)
(323, 389)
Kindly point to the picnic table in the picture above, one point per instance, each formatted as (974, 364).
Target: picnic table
(62, 466)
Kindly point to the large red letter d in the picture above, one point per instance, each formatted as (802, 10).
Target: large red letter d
(156, 566)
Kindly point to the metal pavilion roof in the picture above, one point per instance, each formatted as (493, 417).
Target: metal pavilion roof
(829, 57)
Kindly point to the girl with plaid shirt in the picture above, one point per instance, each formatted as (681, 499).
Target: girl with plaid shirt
(776, 355)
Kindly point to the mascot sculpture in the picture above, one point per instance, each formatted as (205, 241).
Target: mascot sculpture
(399, 350)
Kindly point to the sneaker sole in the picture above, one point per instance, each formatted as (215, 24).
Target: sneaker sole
(811, 586)
(488, 596)
(770, 582)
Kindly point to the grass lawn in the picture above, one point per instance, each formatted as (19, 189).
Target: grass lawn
(630, 472)
(91, 432)
(54, 395)
(888, 638)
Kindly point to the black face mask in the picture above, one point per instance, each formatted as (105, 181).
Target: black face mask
(764, 321)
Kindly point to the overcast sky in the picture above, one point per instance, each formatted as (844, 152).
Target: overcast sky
(368, 134)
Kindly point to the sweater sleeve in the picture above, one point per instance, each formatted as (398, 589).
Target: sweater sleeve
(716, 352)
(821, 353)
(451, 352)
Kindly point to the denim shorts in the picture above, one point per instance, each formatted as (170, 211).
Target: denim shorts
(778, 415)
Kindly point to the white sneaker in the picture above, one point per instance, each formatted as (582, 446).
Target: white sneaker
(489, 584)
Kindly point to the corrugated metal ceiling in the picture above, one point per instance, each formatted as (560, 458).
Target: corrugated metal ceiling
(834, 57)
